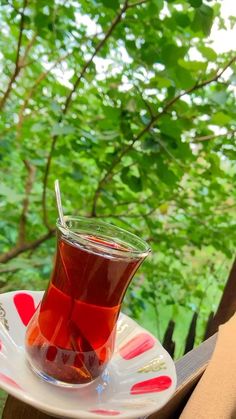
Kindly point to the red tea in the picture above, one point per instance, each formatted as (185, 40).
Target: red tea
(71, 337)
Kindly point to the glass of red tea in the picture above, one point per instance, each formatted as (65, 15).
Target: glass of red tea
(70, 339)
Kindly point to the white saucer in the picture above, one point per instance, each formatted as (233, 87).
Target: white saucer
(139, 380)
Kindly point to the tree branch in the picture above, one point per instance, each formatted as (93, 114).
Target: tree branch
(69, 100)
(15, 8)
(18, 249)
(106, 177)
(22, 61)
(97, 49)
(17, 60)
(138, 3)
(148, 106)
(45, 182)
(20, 33)
(10, 269)
(23, 246)
(40, 78)
(196, 87)
(213, 136)
(31, 91)
(28, 187)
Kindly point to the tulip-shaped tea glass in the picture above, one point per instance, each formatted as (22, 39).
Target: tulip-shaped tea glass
(71, 337)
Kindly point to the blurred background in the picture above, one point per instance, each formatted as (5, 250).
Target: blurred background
(131, 104)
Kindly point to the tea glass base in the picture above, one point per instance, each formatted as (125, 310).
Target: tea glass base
(55, 382)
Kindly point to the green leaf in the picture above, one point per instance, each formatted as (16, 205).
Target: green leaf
(170, 127)
(233, 79)
(195, 3)
(12, 196)
(41, 20)
(199, 293)
(220, 118)
(184, 78)
(182, 19)
(111, 112)
(192, 65)
(153, 8)
(219, 97)
(182, 150)
(77, 174)
(150, 143)
(60, 129)
(111, 4)
(125, 126)
(37, 127)
(171, 53)
(215, 165)
(131, 105)
(56, 108)
(150, 54)
(203, 19)
(208, 53)
(161, 82)
(133, 182)
(165, 174)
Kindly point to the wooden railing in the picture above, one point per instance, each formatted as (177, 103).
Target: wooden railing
(225, 310)
(168, 340)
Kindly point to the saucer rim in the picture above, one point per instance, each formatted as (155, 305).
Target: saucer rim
(19, 393)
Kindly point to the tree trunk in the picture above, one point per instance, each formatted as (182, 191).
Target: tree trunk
(227, 306)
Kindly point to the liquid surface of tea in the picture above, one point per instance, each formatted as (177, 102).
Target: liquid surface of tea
(71, 337)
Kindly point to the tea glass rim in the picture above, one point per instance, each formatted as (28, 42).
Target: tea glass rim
(137, 247)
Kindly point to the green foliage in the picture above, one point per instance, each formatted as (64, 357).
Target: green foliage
(140, 130)
(203, 18)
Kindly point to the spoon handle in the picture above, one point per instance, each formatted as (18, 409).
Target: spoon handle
(59, 204)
